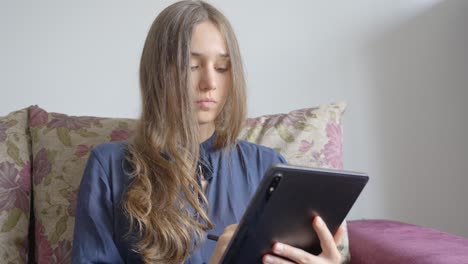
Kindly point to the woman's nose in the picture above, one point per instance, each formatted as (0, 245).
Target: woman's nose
(208, 80)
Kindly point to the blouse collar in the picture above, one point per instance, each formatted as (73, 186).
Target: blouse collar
(206, 145)
(206, 148)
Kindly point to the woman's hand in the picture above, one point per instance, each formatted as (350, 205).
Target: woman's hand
(222, 243)
(330, 253)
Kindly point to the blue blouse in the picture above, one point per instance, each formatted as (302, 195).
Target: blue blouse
(101, 226)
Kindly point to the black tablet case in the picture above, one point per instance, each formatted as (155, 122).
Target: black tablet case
(286, 213)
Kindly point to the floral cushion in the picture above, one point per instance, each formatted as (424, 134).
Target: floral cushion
(61, 145)
(15, 187)
(309, 137)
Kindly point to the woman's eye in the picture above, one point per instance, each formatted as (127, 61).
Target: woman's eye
(221, 70)
(194, 67)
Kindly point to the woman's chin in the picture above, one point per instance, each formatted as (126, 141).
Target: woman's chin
(206, 120)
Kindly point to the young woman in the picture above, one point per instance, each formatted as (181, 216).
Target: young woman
(184, 174)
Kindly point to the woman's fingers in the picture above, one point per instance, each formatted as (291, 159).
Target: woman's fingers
(339, 234)
(271, 259)
(289, 254)
(327, 241)
(223, 242)
(231, 228)
(227, 234)
(294, 254)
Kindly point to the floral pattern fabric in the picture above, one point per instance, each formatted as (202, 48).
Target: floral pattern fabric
(310, 137)
(15, 187)
(61, 144)
(60, 147)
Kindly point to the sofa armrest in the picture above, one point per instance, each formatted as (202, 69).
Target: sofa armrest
(382, 241)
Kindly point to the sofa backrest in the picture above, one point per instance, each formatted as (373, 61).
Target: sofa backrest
(60, 145)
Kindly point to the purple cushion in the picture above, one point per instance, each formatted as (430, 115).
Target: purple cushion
(382, 241)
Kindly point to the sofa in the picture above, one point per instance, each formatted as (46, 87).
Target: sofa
(43, 154)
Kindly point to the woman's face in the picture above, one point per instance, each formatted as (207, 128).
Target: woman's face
(210, 71)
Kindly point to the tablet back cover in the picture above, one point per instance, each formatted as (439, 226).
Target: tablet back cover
(285, 215)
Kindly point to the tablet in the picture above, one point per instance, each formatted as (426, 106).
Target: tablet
(284, 205)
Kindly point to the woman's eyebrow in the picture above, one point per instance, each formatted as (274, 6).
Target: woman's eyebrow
(198, 54)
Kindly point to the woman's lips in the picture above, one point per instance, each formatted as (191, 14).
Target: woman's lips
(205, 103)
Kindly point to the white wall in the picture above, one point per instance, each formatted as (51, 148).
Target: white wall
(401, 65)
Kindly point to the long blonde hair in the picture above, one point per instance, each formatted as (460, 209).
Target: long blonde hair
(162, 202)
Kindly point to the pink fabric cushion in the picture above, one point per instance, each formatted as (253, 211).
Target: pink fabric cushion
(385, 242)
